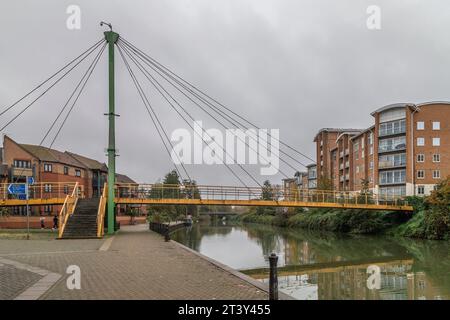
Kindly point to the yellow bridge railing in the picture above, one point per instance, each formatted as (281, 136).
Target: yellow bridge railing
(68, 208)
(40, 193)
(101, 212)
(147, 194)
(253, 196)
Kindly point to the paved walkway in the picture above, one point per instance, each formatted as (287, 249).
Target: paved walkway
(136, 264)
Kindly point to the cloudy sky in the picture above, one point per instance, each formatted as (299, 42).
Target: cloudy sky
(292, 65)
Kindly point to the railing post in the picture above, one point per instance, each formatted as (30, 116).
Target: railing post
(273, 278)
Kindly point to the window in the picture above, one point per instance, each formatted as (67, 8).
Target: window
(392, 160)
(436, 125)
(436, 174)
(362, 143)
(392, 177)
(436, 142)
(47, 167)
(420, 174)
(47, 188)
(22, 163)
(420, 142)
(66, 170)
(48, 208)
(436, 157)
(393, 191)
(66, 189)
(393, 127)
(371, 165)
(371, 150)
(357, 169)
(420, 190)
(420, 125)
(420, 158)
(78, 173)
(392, 144)
(371, 138)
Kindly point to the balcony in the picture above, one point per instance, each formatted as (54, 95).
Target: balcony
(391, 164)
(392, 128)
(347, 164)
(347, 177)
(392, 144)
(341, 154)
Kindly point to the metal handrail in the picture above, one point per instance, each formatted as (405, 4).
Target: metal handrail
(164, 191)
(101, 212)
(67, 209)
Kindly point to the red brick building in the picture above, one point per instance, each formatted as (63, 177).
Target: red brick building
(405, 152)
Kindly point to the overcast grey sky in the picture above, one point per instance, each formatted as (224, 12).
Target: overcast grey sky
(294, 65)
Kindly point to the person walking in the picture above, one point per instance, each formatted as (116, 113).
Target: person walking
(42, 220)
(55, 222)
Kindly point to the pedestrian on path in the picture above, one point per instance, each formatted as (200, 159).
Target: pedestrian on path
(55, 222)
(42, 220)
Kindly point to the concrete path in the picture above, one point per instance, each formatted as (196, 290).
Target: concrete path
(135, 264)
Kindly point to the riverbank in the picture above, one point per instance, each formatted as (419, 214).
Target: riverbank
(403, 224)
(430, 219)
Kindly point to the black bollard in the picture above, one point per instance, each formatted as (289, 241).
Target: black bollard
(273, 278)
(167, 234)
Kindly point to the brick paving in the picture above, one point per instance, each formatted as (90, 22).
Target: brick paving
(14, 281)
(138, 264)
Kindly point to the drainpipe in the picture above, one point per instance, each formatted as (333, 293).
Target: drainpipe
(413, 177)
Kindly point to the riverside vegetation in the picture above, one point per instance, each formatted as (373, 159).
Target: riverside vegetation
(430, 220)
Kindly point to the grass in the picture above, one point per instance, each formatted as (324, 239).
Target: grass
(21, 234)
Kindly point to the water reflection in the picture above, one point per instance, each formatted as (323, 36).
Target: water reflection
(319, 265)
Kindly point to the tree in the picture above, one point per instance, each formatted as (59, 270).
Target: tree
(267, 193)
(324, 183)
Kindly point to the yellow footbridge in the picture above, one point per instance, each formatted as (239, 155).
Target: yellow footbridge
(56, 193)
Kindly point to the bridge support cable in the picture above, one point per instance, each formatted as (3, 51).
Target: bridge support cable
(208, 113)
(94, 61)
(97, 58)
(212, 100)
(234, 122)
(51, 77)
(88, 74)
(50, 87)
(153, 116)
(159, 87)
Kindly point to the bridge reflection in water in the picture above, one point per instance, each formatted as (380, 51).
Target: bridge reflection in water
(318, 265)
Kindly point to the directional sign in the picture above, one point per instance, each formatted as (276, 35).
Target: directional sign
(17, 188)
(30, 180)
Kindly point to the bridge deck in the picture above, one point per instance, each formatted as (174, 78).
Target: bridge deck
(157, 194)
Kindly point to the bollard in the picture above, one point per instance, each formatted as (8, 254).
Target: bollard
(167, 234)
(273, 278)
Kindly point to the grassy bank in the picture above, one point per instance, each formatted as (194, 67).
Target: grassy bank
(21, 234)
(347, 221)
(430, 220)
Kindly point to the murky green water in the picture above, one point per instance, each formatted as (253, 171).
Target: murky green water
(316, 265)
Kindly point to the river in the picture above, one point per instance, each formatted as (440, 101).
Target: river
(320, 265)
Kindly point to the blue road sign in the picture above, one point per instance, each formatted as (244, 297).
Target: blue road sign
(17, 188)
(30, 180)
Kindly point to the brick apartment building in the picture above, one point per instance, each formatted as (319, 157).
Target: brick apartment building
(405, 152)
(20, 161)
